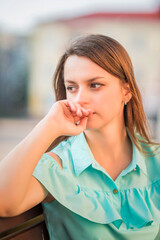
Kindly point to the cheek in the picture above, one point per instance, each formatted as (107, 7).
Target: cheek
(68, 96)
(116, 94)
(112, 100)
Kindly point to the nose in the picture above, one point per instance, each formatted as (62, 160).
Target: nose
(82, 97)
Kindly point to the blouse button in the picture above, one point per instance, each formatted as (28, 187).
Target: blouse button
(115, 191)
(135, 169)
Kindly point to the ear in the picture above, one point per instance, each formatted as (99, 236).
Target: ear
(127, 95)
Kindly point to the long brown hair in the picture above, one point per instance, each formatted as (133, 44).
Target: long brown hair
(112, 57)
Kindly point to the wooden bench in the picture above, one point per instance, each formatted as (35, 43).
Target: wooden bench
(27, 226)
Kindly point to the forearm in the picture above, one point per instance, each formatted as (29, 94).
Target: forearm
(17, 168)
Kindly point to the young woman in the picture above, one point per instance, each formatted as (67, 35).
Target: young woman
(90, 160)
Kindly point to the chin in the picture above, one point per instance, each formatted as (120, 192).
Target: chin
(97, 125)
(92, 126)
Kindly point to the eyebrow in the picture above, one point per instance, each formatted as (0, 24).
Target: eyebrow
(89, 80)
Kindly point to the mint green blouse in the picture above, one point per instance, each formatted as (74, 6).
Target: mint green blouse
(90, 205)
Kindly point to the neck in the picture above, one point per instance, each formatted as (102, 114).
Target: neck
(112, 141)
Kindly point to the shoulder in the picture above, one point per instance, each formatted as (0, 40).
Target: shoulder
(68, 157)
(152, 160)
(55, 157)
(152, 151)
(63, 153)
(67, 148)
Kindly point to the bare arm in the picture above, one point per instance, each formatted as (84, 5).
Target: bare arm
(19, 190)
(17, 168)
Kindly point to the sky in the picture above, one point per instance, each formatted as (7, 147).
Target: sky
(20, 16)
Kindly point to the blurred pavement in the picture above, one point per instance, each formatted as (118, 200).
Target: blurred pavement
(12, 131)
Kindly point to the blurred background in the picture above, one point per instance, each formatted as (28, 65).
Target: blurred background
(34, 34)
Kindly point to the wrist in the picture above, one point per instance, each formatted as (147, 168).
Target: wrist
(50, 127)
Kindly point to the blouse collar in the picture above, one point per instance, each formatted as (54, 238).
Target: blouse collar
(83, 156)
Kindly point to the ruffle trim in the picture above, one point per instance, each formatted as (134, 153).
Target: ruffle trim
(135, 208)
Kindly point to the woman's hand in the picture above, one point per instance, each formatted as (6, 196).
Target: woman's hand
(70, 117)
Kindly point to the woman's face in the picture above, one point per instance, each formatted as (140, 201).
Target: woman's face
(94, 88)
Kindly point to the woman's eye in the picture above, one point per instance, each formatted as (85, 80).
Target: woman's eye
(70, 88)
(96, 85)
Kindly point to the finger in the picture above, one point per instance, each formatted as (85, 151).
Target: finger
(82, 123)
(86, 112)
(79, 111)
(76, 119)
(81, 126)
(75, 108)
(72, 106)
